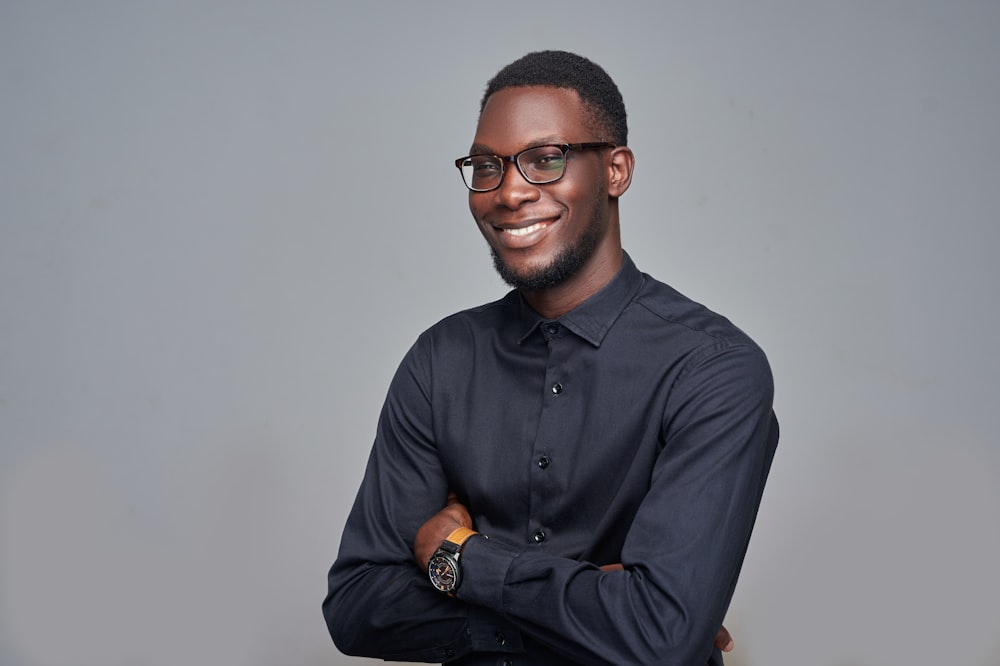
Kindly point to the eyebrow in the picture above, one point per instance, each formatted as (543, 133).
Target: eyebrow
(482, 149)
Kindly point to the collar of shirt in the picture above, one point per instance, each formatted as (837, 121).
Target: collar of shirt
(592, 319)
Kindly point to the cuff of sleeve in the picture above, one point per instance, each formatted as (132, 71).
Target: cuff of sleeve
(484, 569)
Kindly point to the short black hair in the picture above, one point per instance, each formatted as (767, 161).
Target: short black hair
(560, 69)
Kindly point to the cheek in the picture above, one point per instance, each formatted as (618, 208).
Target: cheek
(584, 201)
(478, 211)
(588, 189)
(477, 206)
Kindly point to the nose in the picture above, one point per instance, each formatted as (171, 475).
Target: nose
(514, 190)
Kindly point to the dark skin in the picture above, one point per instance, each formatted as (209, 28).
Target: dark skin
(529, 226)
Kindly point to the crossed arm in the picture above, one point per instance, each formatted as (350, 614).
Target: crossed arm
(455, 515)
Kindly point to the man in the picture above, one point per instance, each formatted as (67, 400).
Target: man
(568, 475)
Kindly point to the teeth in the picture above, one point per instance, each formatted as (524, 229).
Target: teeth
(525, 231)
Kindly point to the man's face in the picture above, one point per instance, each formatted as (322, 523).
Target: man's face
(541, 235)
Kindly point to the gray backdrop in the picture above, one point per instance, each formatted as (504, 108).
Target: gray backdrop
(223, 223)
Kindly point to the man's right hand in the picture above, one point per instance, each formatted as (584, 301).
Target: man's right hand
(723, 640)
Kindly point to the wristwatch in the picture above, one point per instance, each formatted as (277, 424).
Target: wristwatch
(443, 568)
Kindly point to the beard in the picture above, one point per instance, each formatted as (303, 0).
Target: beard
(565, 265)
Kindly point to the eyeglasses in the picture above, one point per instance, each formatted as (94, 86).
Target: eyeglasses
(539, 165)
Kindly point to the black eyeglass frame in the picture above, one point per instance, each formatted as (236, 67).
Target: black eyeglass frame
(564, 147)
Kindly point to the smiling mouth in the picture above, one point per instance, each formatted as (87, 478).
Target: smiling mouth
(524, 231)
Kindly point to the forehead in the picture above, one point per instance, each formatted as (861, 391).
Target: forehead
(514, 118)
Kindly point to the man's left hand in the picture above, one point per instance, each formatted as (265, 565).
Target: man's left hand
(437, 528)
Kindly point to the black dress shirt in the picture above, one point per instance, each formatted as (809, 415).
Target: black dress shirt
(637, 428)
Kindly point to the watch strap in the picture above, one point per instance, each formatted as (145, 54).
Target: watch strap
(459, 536)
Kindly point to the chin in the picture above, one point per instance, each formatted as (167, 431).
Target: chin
(538, 275)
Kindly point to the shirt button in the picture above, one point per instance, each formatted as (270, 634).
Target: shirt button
(449, 653)
(501, 639)
(552, 328)
(557, 388)
(543, 462)
(539, 536)
(508, 662)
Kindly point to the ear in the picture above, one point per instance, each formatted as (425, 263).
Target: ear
(620, 168)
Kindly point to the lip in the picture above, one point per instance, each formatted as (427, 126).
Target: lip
(525, 233)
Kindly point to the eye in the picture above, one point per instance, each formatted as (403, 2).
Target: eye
(547, 159)
(483, 165)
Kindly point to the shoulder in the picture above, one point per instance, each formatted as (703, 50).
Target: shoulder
(447, 347)
(460, 333)
(665, 304)
(697, 338)
(474, 321)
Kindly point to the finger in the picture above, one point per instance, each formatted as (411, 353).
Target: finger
(460, 514)
(723, 640)
(458, 511)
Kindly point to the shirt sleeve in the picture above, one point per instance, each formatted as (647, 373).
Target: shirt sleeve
(379, 603)
(684, 549)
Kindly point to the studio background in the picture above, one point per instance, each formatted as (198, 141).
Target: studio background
(223, 223)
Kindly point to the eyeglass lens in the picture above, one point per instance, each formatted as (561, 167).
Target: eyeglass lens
(540, 165)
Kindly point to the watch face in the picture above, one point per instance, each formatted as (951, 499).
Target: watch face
(443, 572)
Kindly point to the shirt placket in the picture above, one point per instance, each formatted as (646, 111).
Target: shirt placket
(549, 464)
